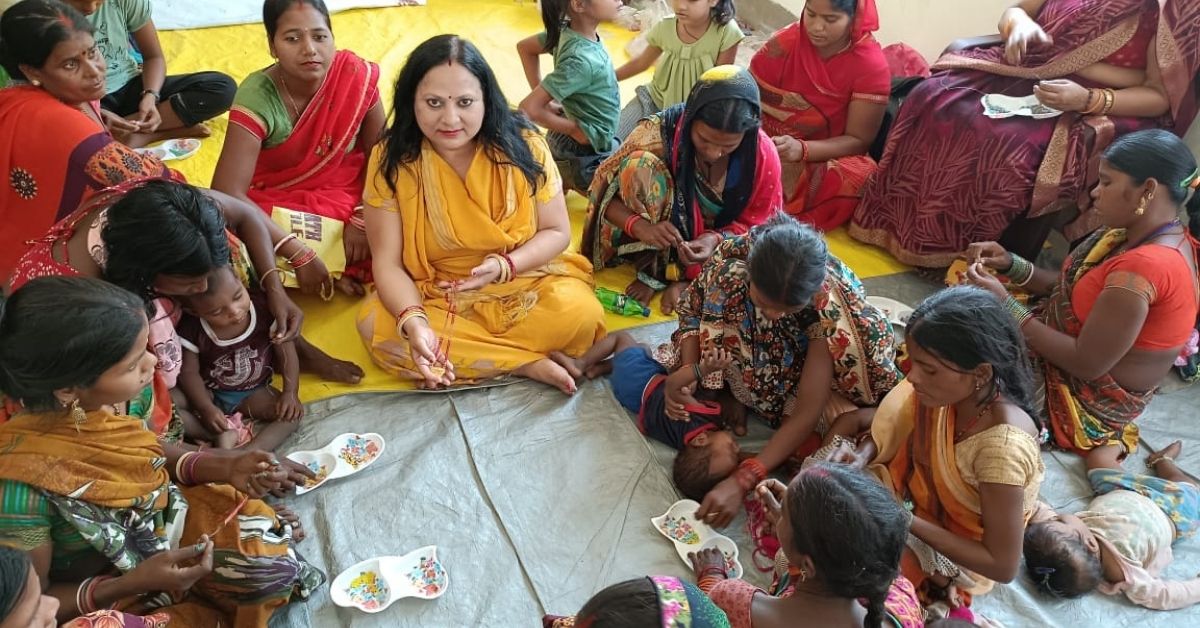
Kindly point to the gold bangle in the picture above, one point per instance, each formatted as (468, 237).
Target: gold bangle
(262, 281)
(1109, 99)
(408, 317)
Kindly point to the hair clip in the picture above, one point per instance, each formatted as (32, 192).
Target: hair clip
(1045, 572)
(1192, 180)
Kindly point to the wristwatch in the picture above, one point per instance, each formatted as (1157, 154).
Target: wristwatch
(157, 98)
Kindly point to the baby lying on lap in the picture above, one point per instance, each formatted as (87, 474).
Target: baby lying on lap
(1122, 541)
(708, 453)
(228, 362)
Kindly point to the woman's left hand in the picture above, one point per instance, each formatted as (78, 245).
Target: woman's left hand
(722, 503)
(354, 240)
(288, 316)
(295, 474)
(1062, 94)
(979, 277)
(699, 250)
(314, 278)
(481, 275)
(791, 150)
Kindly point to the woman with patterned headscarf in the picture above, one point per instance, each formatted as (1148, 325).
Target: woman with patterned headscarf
(684, 180)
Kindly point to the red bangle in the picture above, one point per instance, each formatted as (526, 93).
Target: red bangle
(803, 151)
(628, 227)
(749, 473)
(305, 259)
(512, 268)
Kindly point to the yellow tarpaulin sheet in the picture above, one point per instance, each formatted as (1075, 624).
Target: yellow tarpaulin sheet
(386, 36)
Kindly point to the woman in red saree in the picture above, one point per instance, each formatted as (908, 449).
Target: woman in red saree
(951, 176)
(300, 132)
(825, 86)
(54, 150)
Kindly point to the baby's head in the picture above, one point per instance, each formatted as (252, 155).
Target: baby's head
(1062, 556)
(225, 303)
(708, 458)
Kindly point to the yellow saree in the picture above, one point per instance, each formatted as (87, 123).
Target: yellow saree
(450, 225)
(920, 461)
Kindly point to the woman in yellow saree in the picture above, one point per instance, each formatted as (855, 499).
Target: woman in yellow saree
(468, 229)
(87, 489)
(957, 441)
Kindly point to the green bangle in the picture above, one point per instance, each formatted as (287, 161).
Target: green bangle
(1018, 311)
(1020, 271)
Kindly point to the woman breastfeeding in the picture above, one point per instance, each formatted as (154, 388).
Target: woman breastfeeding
(55, 149)
(108, 516)
(301, 130)
(958, 439)
(469, 234)
(1121, 309)
(686, 178)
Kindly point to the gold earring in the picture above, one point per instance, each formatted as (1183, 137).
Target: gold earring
(803, 574)
(36, 83)
(1141, 208)
(77, 414)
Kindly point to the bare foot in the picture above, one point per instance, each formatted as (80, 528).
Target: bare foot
(600, 369)
(671, 296)
(351, 286)
(286, 515)
(567, 362)
(639, 292)
(315, 361)
(550, 372)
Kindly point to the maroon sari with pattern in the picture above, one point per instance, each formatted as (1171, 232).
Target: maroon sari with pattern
(951, 176)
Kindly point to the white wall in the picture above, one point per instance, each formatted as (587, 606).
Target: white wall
(927, 25)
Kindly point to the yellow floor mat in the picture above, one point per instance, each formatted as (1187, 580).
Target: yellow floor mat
(386, 36)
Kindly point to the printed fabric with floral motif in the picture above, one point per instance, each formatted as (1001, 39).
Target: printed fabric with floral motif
(768, 356)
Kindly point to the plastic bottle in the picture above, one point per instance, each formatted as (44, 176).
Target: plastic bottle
(618, 303)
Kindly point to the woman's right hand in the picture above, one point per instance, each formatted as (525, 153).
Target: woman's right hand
(722, 503)
(991, 254)
(432, 365)
(1023, 33)
(791, 150)
(256, 473)
(660, 235)
(772, 493)
(172, 570)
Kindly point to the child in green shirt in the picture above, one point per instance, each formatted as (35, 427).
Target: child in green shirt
(579, 102)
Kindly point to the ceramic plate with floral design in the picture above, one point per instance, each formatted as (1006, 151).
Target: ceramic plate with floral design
(374, 584)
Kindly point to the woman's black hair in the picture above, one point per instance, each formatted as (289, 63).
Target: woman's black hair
(274, 9)
(14, 577)
(787, 260)
(501, 134)
(849, 7)
(31, 29)
(964, 327)
(63, 332)
(853, 530)
(722, 12)
(1161, 155)
(1059, 564)
(629, 604)
(733, 115)
(162, 228)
